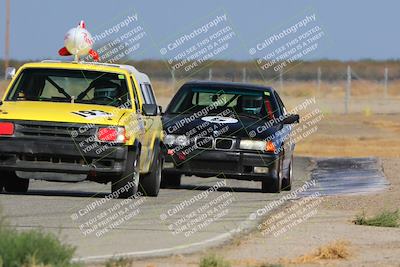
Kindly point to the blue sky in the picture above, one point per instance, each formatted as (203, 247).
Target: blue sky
(353, 29)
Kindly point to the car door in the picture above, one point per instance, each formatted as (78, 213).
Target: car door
(137, 121)
(286, 130)
(152, 125)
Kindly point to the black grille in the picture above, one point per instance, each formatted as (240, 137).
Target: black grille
(223, 166)
(204, 142)
(54, 130)
(223, 143)
(66, 160)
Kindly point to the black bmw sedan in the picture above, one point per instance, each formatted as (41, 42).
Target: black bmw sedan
(228, 130)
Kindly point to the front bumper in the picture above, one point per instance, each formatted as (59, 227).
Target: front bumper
(60, 156)
(225, 164)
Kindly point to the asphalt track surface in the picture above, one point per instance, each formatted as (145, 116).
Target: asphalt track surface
(179, 220)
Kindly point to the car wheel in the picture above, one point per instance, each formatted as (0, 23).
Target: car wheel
(150, 183)
(287, 180)
(2, 181)
(126, 185)
(14, 184)
(270, 185)
(170, 180)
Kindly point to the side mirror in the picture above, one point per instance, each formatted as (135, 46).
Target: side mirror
(291, 118)
(160, 110)
(10, 73)
(150, 109)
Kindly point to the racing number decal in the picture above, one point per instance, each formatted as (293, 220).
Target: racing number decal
(90, 114)
(219, 119)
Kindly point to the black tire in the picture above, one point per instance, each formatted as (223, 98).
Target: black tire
(271, 185)
(126, 185)
(14, 184)
(2, 181)
(170, 180)
(287, 180)
(150, 183)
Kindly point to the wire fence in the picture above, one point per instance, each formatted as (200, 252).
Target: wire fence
(344, 89)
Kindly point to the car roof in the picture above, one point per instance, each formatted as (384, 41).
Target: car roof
(250, 86)
(142, 77)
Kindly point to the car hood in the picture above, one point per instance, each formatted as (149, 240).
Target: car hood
(60, 112)
(242, 127)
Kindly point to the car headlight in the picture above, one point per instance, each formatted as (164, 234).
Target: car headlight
(169, 139)
(182, 140)
(178, 140)
(260, 145)
(253, 144)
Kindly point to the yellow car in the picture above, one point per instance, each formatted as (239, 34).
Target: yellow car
(70, 122)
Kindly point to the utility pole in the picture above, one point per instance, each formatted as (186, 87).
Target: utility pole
(348, 91)
(210, 74)
(173, 79)
(386, 82)
(244, 75)
(7, 37)
(319, 80)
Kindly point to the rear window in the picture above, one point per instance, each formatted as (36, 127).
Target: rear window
(63, 85)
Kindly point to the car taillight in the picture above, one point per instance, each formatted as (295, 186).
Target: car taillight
(112, 134)
(6, 128)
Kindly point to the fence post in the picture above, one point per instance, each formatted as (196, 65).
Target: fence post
(348, 90)
(244, 75)
(318, 80)
(210, 74)
(386, 83)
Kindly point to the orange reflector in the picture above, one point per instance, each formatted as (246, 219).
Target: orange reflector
(270, 147)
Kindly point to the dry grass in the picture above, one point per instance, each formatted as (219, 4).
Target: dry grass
(118, 262)
(337, 250)
(353, 135)
(336, 89)
(331, 146)
(3, 86)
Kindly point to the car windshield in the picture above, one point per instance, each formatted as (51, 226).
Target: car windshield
(63, 85)
(214, 100)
